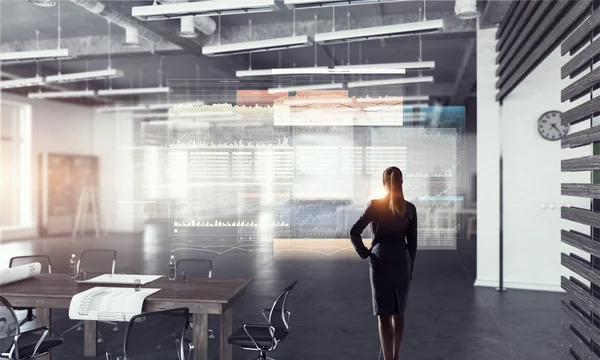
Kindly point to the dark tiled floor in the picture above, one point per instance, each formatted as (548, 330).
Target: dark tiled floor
(447, 318)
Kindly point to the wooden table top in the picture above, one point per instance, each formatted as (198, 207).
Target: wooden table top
(56, 290)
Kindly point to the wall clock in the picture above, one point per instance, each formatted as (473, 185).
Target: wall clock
(550, 126)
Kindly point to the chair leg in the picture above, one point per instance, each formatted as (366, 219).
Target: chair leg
(100, 339)
(24, 321)
(77, 327)
(191, 350)
(116, 327)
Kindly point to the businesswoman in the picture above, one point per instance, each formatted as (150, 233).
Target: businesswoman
(391, 258)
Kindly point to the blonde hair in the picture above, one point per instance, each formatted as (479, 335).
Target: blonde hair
(392, 180)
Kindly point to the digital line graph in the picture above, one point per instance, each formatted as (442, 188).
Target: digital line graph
(280, 175)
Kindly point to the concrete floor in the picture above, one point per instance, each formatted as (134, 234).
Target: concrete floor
(447, 318)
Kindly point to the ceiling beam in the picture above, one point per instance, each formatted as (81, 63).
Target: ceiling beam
(238, 34)
(466, 75)
(20, 74)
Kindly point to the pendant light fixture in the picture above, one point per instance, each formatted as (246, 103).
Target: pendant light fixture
(82, 76)
(25, 82)
(23, 57)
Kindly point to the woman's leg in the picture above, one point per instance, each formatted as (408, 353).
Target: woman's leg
(386, 336)
(398, 322)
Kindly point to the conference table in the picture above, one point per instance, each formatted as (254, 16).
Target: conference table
(202, 296)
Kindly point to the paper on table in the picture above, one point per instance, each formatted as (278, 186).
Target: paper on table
(19, 273)
(108, 304)
(121, 279)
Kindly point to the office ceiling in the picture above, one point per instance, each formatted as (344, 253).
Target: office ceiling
(86, 35)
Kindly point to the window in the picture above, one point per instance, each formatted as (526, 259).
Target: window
(15, 165)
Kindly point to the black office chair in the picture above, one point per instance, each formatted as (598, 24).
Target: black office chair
(44, 260)
(17, 345)
(265, 338)
(95, 262)
(149, 328)
(192, 268)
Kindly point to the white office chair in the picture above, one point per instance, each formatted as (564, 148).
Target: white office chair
(44, 260)
(98, 262)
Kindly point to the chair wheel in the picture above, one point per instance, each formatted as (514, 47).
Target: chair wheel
(100, 341)
(115, 329)
(211, 334)
(159, 347)
(79, 328)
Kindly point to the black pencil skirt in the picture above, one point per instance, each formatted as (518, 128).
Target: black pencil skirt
(390, 282)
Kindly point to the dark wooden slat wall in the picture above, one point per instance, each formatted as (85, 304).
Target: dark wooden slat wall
(581, 303)
(544, 26)
(581, 60)
(515, 23)
(580, 241)
(509, 13)
(581, 87)
(581, 138)
(585, 163)
(564, 21)
(581, 190)
(581, 35)
(509, 52)
(522, 43)
(582, 112)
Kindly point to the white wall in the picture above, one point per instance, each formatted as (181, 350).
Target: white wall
(55, 127)
(488, 154)
(531, 176)
(62, 128)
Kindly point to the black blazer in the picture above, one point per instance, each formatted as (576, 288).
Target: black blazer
(394, 238)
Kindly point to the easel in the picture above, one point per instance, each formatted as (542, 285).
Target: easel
(88, 195)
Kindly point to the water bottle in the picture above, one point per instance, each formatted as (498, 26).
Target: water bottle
(73, 267)
(172, 268)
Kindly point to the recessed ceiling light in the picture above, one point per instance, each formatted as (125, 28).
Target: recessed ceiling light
(61, 94)
(84, 76)
(20, 83)
(389, 82)
(201, 8)
(121, 108)
(308, 4)
(133, 91)
(258, 46)
(379, 32)
(330, 86)
(418, 65)
(21, 57)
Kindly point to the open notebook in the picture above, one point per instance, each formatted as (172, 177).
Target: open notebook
(108, 304)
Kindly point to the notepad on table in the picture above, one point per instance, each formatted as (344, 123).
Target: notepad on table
(108, 304)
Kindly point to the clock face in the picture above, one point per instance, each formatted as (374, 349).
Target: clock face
(550, 126)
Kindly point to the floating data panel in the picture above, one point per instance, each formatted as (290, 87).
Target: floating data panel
(234, 179)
